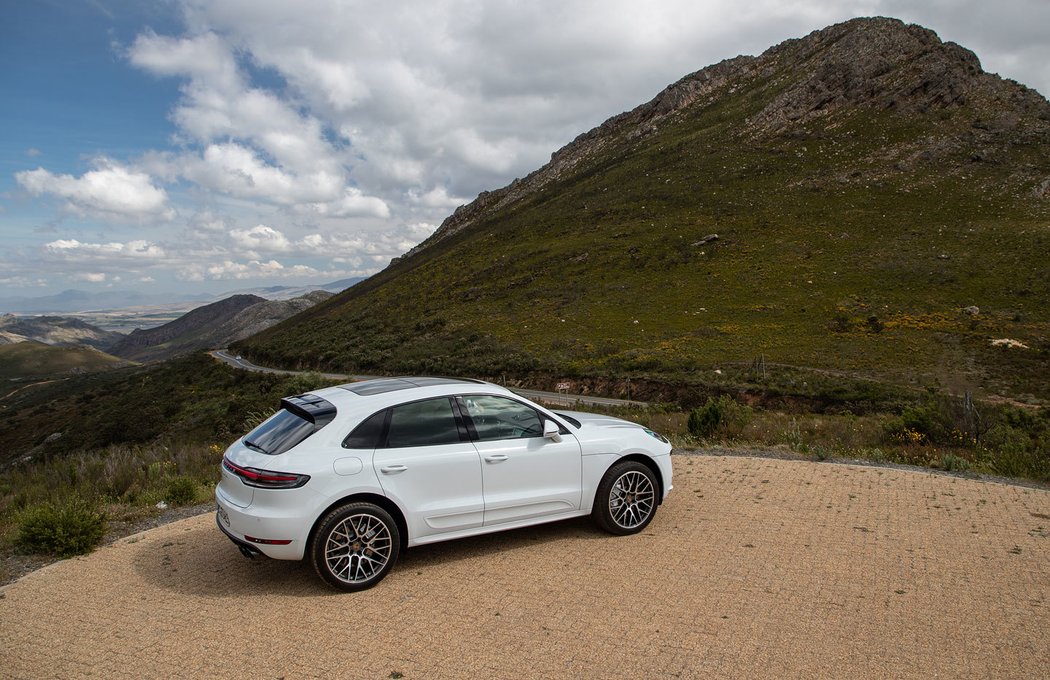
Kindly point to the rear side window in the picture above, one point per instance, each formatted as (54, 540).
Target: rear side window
(423, 423)
(367, 434)
(299, 418)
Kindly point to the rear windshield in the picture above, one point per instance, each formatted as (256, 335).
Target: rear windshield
(278, 434)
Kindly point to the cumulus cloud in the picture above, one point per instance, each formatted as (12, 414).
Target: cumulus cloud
(111, 191)
(254, 269)
(72, 250)
(436, 198)
(261, 239)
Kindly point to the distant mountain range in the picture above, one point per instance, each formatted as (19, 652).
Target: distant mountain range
(212, 326)
(54, 330)
(208, 326)
(83, 301)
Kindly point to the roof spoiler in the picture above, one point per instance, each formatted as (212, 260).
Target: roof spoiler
(310, 407)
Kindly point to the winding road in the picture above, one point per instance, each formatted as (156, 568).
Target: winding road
(548, 397)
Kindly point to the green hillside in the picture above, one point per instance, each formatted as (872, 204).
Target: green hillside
(881, 208)
(36, 360)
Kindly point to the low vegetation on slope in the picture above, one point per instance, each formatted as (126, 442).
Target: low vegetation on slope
(864, 201)
(121, 442)
(34, 360)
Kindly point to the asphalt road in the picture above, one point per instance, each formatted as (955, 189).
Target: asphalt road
(558, 398)
(753, 568)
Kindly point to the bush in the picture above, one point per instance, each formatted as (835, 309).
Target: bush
(181, 491)
(725, 417)
(72, 527)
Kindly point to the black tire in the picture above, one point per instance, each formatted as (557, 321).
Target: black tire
(355, 545)
(626, 499)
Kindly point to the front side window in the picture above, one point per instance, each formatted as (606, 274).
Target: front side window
(502, 418)
(423, 423)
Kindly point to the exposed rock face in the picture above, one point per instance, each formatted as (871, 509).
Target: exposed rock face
(879, 64)
(185, 333)
(54, 330)
(261, 316)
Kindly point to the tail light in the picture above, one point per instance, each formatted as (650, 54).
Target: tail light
(265, 479)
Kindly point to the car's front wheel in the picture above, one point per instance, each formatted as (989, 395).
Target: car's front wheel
(355, 545)
(626, 499)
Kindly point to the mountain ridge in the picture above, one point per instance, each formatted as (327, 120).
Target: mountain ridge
(212, 326)
(832, 203)
(854, 77)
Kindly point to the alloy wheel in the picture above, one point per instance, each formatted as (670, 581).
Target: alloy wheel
(358, 548)
(631, 499)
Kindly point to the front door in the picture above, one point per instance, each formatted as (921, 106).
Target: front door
(525, 474)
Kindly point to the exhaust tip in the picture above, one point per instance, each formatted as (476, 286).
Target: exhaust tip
(247, 552)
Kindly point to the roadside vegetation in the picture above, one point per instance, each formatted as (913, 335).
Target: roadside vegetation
(932, 431)
(115, 448)
(107, 451)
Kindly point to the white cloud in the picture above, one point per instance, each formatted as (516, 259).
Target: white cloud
(110, 191)
(260, 238)
(90, 277)
(72, 250)
(436, 198)
(253, 269)
(206, 57)
(352, 204)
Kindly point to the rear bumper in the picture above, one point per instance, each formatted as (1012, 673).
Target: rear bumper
(240, 525)
(243, 545)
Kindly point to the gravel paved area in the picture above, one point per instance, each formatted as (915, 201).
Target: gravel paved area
(753, 568)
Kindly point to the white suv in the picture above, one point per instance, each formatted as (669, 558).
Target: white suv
(351, 475)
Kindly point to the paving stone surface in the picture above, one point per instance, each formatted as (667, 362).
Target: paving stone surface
(753, 568)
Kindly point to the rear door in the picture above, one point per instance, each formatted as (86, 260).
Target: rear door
(427, 464)
(525, 474)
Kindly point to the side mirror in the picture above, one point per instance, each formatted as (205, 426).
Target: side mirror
(551, 430)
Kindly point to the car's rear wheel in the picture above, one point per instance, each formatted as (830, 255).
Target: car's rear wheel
(355, 545)
(626, 498)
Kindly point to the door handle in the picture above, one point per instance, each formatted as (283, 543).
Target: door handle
(496, 457)
(392, 469)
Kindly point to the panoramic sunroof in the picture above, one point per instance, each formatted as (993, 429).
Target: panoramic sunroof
(367, 388)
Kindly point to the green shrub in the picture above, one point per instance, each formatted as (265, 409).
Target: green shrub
(72, 527)
(181, 491)
(725, 417)
(952, 463)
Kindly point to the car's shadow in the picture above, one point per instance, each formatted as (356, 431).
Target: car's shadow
(201, 561)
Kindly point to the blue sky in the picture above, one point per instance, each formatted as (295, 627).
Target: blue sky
(207, 145)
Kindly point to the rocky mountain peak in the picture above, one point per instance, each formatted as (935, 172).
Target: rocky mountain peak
(874, 64)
